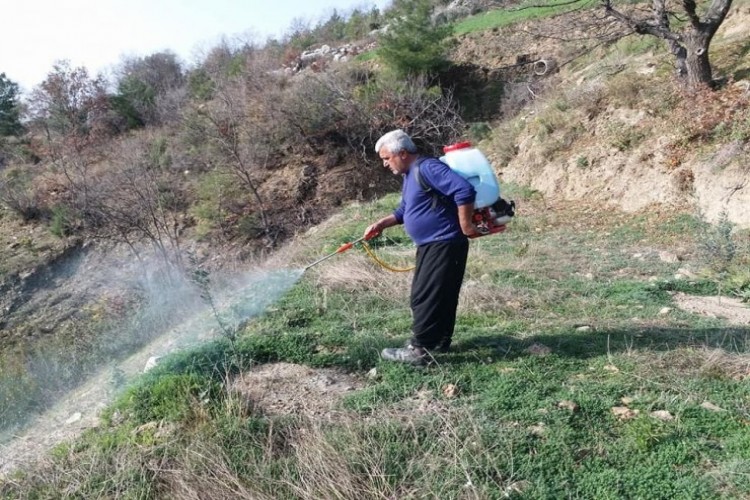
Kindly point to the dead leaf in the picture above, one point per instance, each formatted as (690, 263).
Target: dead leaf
(624, 413)
(662, 415)
(450, 391)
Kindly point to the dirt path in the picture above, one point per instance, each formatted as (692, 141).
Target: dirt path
(730, 309)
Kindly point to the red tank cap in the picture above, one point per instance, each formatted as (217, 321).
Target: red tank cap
(456, 146)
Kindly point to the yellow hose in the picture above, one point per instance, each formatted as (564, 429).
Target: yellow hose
(384, 264)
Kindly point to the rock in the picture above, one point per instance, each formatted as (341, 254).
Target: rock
(152, 362)
(539, 429)
(372, 374)
(74, 418)
(584, 328)
(662, 415)
(664, 310)
(568, 405)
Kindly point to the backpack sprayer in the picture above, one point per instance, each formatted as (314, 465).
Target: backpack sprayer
(491, 212)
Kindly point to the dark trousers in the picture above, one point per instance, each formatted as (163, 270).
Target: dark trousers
(434, 291)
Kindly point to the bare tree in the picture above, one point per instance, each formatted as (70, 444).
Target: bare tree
(687, 28)
(137, 201)
(70, 110)
(690, 43)
(224, 124)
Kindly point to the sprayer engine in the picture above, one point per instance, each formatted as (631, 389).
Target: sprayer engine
(493, 219)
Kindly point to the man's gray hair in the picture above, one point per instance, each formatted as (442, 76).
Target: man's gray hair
(396, 141)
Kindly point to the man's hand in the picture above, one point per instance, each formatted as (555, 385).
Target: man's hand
(375, 229)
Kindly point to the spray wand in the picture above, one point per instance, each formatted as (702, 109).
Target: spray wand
(343, 248)
(363, 240)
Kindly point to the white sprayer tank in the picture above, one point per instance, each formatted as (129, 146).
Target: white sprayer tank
(473, 166)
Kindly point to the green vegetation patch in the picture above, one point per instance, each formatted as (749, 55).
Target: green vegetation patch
(566, 379)
(505, 17)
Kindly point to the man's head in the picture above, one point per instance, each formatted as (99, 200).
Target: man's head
(397, 151)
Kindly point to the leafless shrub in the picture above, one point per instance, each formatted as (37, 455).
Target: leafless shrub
(136, 201)
(230, 138)
(589, 98)
(518, 95)
(170, 105)
(18, 193)
(354, 109)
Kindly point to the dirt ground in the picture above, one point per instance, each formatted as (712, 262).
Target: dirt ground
(730, 309)
(287, 388)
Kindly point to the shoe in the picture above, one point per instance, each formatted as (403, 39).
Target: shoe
(443, 347)
(415, 356)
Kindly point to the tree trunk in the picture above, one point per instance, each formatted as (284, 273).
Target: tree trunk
(693, 60)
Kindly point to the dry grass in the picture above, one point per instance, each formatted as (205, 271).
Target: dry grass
(356, 272)
(693, 362)
(203, 471)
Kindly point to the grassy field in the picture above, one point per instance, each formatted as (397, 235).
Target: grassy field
(574, 375)
(526, 11)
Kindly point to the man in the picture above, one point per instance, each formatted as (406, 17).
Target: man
(439, 227)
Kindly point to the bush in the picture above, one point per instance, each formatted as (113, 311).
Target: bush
(17, 192)
(60, 224)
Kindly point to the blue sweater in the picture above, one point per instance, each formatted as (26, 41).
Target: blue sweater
(423, 223)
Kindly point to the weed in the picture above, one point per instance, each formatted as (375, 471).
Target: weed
(625, 137)
(60, 223)
(479, 131)
(202, 280)
(719, 249)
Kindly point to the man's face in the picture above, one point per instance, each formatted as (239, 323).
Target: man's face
(395, 162)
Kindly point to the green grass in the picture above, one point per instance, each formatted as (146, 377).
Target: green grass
(587, 285)
(505, 17)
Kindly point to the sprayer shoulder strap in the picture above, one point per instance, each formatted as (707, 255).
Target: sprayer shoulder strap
(437, 197)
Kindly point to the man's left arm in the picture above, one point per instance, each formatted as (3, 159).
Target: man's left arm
(465, 213)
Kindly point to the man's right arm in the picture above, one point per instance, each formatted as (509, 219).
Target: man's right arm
(376, 228)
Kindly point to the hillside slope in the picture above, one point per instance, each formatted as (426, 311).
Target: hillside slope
(609, 128)
(603, 131)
